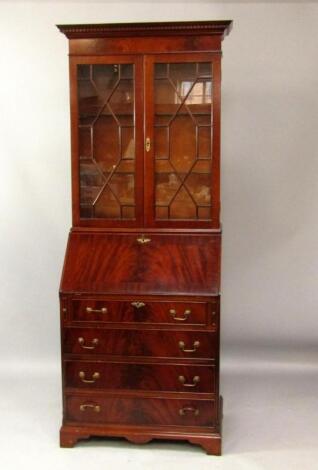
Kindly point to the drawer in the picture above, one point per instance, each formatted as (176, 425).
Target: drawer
(152, 377)
(140, 411)
(157, 343)
(139, 311)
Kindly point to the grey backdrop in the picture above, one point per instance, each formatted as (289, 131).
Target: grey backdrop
(269, 214)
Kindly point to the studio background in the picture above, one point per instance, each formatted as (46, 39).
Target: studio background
(270, 231)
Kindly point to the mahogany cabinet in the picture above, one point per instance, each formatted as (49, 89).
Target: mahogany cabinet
(140, 289)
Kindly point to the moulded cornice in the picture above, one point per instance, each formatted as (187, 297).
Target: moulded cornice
(78, 31)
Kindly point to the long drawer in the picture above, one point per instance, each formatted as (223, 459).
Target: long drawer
(141, 311)
(140, 411)
(158, 343)
(151, 377)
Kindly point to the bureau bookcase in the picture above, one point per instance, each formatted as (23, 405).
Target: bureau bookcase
(140, 288)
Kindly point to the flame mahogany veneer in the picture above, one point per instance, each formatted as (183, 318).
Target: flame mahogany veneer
(140, 288)
(115, 264)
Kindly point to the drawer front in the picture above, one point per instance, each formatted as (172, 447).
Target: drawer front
(140, 411)
(157, 343)
(139, 311)
(152, 377)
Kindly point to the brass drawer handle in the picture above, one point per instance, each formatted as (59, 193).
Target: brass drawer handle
(91, 310)
(142, 240)
(86, 406)
(186, 314)
(138, 304)
(196, 345)
(95, 377)
(188, 409)
(82, 343)
(195, 381)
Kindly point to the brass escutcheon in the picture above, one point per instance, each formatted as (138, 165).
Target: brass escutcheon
(142, 240)
(138, 304)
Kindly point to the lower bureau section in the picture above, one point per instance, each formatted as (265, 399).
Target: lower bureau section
(141, 381)
(140, 410)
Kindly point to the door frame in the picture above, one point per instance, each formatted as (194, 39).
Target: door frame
(149, 160)
(137, 61)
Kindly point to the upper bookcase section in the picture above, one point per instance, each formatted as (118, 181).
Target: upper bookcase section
(175, 36)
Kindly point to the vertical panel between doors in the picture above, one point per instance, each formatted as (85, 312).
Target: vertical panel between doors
(149, 168)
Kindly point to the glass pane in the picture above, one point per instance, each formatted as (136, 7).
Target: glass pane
(167, 185)
(107, 141)
(183, 146)
(182, 141)
(161, 142)
(183, 206)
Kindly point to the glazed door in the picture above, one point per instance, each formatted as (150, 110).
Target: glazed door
(182, 140)
(107, 141)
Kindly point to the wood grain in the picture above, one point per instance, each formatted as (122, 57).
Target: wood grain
(121, 342)
(139, 311)
(116, 263)
(140, 411)
(140, 376)
(121, 365)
